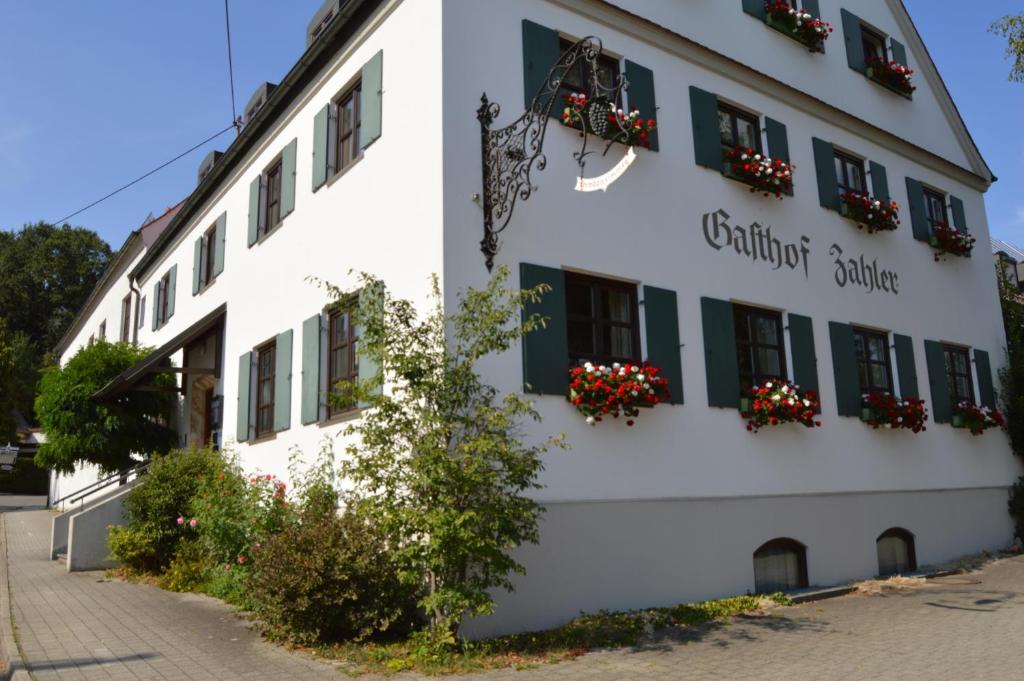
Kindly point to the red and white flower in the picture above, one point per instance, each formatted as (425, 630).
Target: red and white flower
(893, 74)
(626, 127)
(805, 27)
(598, 391)
(762, 172)
(779, 401)
(881, 409)
(977, 418)
(947, 239)
(867, 211)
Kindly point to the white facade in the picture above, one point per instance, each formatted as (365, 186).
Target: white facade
(674, 508)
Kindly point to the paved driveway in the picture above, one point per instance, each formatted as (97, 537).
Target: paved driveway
(80, 626)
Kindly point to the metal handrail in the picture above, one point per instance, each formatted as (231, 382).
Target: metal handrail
(80, 494)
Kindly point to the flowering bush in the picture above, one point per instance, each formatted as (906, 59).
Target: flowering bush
(808, 29)
(947, 239)
(599, 391)
(891, 74)
(779, 401)
(869, 212)
(614, 124)
(763, 173)
(976, 418)
(881, 409)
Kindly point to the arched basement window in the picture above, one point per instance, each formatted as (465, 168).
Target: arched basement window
(896, 552)
(780, 565)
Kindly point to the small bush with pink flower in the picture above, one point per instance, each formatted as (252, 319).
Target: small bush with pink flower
(801, 25)
(598, 391)
(762, 172)
(977, 418)
(948, 240)
(868, 212)
(892, 74)
(778, 401)
(630, 128)
(882, 409)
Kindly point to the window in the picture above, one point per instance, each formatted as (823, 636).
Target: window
(266, 357)
(342, 363)
(849, 174)
(896, 553)
(577, 80)
(958, 374)
(161, 305)
(603, 319)
(140, 313)
(207, 253)
(874, 366)
(738, 129)
(873, 43)
(103, 330)
(126, 318)
(780, 565)
(272, 205)
(760, 349)
(935, 209)
(348, 127)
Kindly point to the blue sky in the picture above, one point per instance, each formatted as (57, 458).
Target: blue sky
(95, 94)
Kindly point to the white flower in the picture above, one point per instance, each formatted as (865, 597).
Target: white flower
(588, 367)
(768, 384)
(647, 386)
(807, 403)
(633, 393)
(616, 365)
(590, 420)
(785, 389)
(757, 157)
(743, 157)
(776, 398)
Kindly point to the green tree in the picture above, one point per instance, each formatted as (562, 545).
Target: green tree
(440, 465)
(81, 429)
(1011, 27)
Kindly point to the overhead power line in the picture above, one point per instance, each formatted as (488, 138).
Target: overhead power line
(143, 177)
(231, 72)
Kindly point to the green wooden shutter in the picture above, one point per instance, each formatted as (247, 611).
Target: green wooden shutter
(879, 181)
(899, 53)
(172, 286)
(986, 390)
(707, 140)
(942, 409)
(641, 95)
(372, 100)
(854, 46)
(288, 178)
(255, 194)
(156, 305)
(918, 217)
(546, 350)
(197, 265)
(720, 363)
(219, 236)
(844, 367)
(541, 51)
(812, 8)
(805, 358)
(283, 381)
(825, 170)
(311, 332)
(661, 317)
(956, 207)
(755, 8)
(244, 381)
(320, 123)
(778, 143)
(906, 369)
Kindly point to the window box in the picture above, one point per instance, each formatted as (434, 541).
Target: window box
(760, 172)
(869, 212)
(976, 418)
(598, 391)
(601, 118)
(799, 25)
(882, 409)
(891, 75)
(778, 401)
(948, 240)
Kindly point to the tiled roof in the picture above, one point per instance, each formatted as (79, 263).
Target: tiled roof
(999, 246)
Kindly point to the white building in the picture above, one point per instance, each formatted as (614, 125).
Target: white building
(367, 156)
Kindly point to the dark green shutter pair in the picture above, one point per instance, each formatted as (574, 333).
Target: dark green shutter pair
(542, 50)
(919, 216)
(199, 258)
(282, 387)
(370, 114)
(942, 405)
(828, 183)
(855, 45)
(707, 139)
(720, 355)
(160, 292)
(546, 350)
(847, 377)
(258, 188)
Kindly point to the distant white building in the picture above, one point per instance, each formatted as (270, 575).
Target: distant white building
(367, 156)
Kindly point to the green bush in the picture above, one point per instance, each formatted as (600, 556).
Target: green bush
(150, 540)
(328, 578)
(1016, 507)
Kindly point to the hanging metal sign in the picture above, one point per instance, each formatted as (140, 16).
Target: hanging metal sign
(602, 182)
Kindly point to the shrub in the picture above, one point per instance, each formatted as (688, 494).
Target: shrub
(328, 578)
(189, 569)
(150, 540)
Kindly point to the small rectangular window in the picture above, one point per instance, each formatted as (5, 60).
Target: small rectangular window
(348, 123)
(103, 330)
(342, 362)
(874, 365)
(577, 79)
(738, 129)
(760, 347)
(162, 300)
(603, 320)
(849, 173)
(272, 202)
(935, 209)
(873, 43)
(265, 368)
(958, 374)
(140, 317)
(207, 254)
(126, 318)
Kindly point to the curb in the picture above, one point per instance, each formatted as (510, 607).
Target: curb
(14, 668)
(821, 594)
